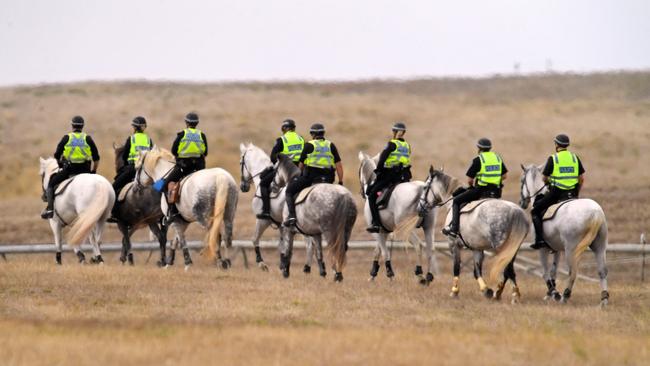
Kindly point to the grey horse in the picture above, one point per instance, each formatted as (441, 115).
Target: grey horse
(140, 208)
(408, 201)
(576, 226)
(327, 212)
(497, 225)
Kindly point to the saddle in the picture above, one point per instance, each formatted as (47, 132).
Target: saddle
(550, 212)
(63, 186)
(471, 206)
(124, 191)
(175, 188)
(384, 196)
(302, 196)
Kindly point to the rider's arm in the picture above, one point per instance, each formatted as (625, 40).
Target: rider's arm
(60, 147)
(504, 172)
(472, 171)
(176, 142)
(205, 142)
(337, 162)
(548, 169)
(277, 148)
(126, 151)
(308, 149)
(385, 153)
(94, 153)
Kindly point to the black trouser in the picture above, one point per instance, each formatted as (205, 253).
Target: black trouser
(125, 175)
(543, 202)
(472, 194)
(309, 177)
(266, 178)
(385, 178)
(183, 168)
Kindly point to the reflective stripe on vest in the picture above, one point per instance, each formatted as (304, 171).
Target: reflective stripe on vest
(192, 144)
(322, 156)
(292, 145)
(400, 156)
(565, 170)
(491, 169)
(139, 142)
(77, 150)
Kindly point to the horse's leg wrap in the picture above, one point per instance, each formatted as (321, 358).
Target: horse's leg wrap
(187, 257)
(58, 258)
(454, 287)
(130, 259)
(604, 295)
(258, 255)
(375, 269)
(567, 294)
(172, 256)
(81, 256)
(338, 277)
(418, 270)
(389, 270)
(321, 268)
(429, 277)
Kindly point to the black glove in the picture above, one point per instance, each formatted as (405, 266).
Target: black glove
(93, 171)
(340, 183)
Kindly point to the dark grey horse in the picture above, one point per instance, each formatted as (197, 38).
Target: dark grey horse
(140, 208)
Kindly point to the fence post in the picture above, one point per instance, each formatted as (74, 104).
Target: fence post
(643, 257)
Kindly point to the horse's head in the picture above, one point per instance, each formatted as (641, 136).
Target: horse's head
(252, 162)
(48, 166)
(119, 163)
(367, 168)
(531, 184)
(286, 170)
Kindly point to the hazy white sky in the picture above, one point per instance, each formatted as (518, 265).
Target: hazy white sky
(70, 40)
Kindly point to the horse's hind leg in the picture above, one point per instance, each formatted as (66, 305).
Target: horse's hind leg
(549, 274)
(375, 262)
(455, 252)
(309, 253)
(287, 250)
(162, 241)
(180, 236)
(566, 295)
(318, 243)
(381, 238)
(509, 274)
(260, 227)
(56, 230)
(431, 259)
(94, 238)
(479, 256)
(599, 248)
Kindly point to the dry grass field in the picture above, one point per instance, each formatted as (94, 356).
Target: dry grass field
(143, 315)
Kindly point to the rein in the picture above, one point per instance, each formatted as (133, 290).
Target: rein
(141, 170)
(242, 164)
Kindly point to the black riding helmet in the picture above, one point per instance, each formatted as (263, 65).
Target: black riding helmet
(288, 123)
(399, 126)
(562, 140)
(192, 119)
(139, 121)
(484, 143)
(77, 122)
(317, 129)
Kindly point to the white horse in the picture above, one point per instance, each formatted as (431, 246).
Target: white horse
(85, 203)
(577, 224)
(253, 161)
(208, 196)
(328, 211)
(495, 224)
(407, 201)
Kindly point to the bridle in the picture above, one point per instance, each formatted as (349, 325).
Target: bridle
(141, 170)
(242, 165)
(524, 185)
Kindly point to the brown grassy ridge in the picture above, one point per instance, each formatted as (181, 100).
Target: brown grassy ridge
(607, 116)
(142, 315)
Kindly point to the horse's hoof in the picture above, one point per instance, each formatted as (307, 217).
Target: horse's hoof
(390, 275)
(97, 260)
(429, 277)
(515, 300)
(306, 269)
(453, 294)
(285, 273)
(338, 277)
(564, 300)
(263, 266)
(123, 260)
(488, 293)
(422, 281)
(603, 303)
(130, 259)
(225, 264)
(81, 257)
(371, 279)
(556, 296)
(187, 267)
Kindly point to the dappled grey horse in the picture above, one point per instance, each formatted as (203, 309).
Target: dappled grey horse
(495, 224)
(576, 226)
(253, 161)
(407, 202)
(208, 197)
(328, 212)
(140, 208)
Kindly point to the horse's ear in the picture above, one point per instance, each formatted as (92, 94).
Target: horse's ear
(114, 146)
(242, 147)
(41, 160)
(430, 170)
(361, 156)
(442, 168)
(523, 167)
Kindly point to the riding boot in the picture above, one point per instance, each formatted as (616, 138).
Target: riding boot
(172, 213)
(375, 226)
(452, 229)
(48, 213)
(266, 204)
(539, 233)
(291, 206)
(114, 213)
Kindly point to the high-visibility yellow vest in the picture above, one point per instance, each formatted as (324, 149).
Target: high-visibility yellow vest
(491, 169)
(292, 145)
(77, 149)
(401, 155)
(139, 142)
(322, 156)
(565, 170)
(192, 144)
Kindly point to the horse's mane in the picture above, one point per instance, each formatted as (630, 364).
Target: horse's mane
(154, 155)
(368, 166)
(449, 183)
(287, 164)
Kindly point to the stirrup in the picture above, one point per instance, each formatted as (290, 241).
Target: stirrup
(263, 216)
(448, 231)
(112, 220)
(539, 244)
(291, 221)
(47, 214)
(374, 228)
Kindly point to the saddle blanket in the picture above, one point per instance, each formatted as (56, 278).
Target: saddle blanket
(550, 212)
(124, 191)
(473, 205)
(302, 196)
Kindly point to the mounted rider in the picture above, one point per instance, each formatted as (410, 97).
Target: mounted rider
(74, 154)
(394, 167)
(290, 144)
(190, 149)
(318, 161)
(138, 141)
(563, 173)
(485, 176)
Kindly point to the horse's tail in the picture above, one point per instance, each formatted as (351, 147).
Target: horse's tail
(592, 229)
(90, 216)
(518, 231)
(340, 227)
(220, 201)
